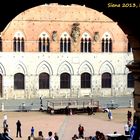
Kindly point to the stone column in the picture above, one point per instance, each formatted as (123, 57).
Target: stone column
(135, 69)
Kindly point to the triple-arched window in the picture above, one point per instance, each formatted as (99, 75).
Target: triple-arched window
(106, 43)
(18, 42)
(65, 43)
(85, 43)
(44, 43)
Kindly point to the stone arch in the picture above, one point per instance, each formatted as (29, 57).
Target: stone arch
(65, 67)
(21, 68)
(2, 70)
(109, 34)
(86, 33)
(44, 67)
(106, 67)
(19, 34)
(65, 34)
(86, 67)
(43, 33)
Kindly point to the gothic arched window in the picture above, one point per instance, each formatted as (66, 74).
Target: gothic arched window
(65, 43)
(19, 81)
(85, 43)
(18, 42)
(44, 80)
(106, 80)
(44, 43)
(65, 80)
(106, 43)
(85, 80)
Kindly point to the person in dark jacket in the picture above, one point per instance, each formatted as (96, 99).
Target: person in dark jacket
(56, 136)
(18, 123)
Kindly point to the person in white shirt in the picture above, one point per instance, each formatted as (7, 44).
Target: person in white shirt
(50, 136)
(5, 121)
(5, 117)
(127, 129)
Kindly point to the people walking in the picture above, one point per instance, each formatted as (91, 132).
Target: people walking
(18, 124)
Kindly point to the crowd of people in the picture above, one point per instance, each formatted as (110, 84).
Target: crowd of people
(41, 136)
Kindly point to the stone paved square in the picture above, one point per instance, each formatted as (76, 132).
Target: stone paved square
(65, 126)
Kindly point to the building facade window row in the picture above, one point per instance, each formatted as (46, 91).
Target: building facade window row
(65, 80)
(65, 44)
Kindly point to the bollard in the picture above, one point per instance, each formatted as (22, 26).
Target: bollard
(2, 106)
(130, 103)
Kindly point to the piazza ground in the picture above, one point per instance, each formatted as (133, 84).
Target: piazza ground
(65, 126)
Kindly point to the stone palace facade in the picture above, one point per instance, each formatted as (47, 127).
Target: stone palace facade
(62, 51)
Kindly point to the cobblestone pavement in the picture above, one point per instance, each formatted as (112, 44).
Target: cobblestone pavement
(65, 125)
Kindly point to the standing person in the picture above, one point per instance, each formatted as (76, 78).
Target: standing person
(5, 118)
(39, 137)
(6, 129)
(110, 115)
(129, 115)
(97, 134)
(6, 133)
(56, 136)
(5, 122)
(18, 123)
(134, 131)
(41, 102)
(32, 131)
(50, 136)
(126, 128)
(81, 131)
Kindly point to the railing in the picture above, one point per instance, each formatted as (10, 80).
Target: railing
(72, 103)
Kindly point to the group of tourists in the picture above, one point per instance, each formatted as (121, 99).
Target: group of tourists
(41, 136)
